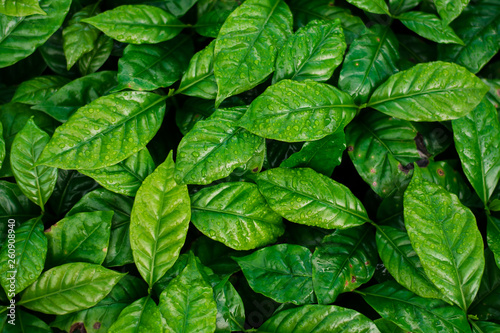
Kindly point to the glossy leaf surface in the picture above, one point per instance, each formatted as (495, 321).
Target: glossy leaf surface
(21, 8)
(450, 9)
(38, 89)
(90, 62)
(141, 316)
(429, 26)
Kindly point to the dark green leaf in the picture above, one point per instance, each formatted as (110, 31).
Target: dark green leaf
(370, 61)
(90, 62)
(27, 323)
(485, 327)
(388, 326)
(52, 52)
(159, 222)
(141, 316)
(2, 146)
(298, 111)
(210, 24)
(450, 9)
(312, 53)
(21, 8)
(20, 36)
(399, 6)
(247, 45)
(39, 89)
(430, 26)
(36, 182)
(344, 261)
(137, 24)
(493, 237)
(282, 272)
(126, 176)
(148, 67)
(230, 308)
(414, 313)
(486, 305)
(237, 215)
(445, 236)
(179, 7)
(69, 288)
(477, 137)
(371, 6)
(319, 319)
(106, 131)
(307, 197)
(433, 91)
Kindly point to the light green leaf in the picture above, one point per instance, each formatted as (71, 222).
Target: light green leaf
(235, 214)
(478, 27)
(445, 236)
(429, 26)
(90, 62)
(159, 222)
(188, 304)
(281, 272)
(78, 37)
(20, 36)
(312, 53)
(78, 93)
(69, 288)
(36, 182)
(247, 45)
(371, 6)
(148, 67)
(493, 237)
(319, 319)
(450, 9)
(214, 148)
(126, 176)
(344, 261)
(199, 79)
(414, 313)
(371, 59)
(402, 262)
(106, 131)
(118, 252)
(137, 24)
(28, 258)
(82, 237)
(307, 197)
(434, 91)
(298, 111)
(141, 316)
(477, 138)
(21, 8)
(39, 89)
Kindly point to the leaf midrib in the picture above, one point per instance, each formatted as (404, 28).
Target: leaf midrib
(424, 92)
(226, 212)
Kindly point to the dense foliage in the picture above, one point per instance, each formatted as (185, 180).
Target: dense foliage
(260, 165)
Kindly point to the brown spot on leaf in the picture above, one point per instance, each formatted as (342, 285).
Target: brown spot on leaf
(372, 170)
(404, 169)
(367, 263)
(97, 325)
(77, 327)
(50, 228)
(350, 265)
(440, 172)
(255, 170)
(350, 148)
(421, 148)
(346, 283)
(353, 279)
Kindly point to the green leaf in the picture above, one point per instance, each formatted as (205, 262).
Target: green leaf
(148, 67)
(199, 79)
(69, 288)
(298, 111)
(371, 59)
(450, 9)
(90, 62)
(74, 95)
(126, 176)
(14, 205)
(402, 262)
(28, 258)
(305, 11)
(429, 26)
(81, 237)
(214, 148)
(444, 174)
(477, 136)
(414, 313)
(322, 155)
(52, 52)
(39, 89)
(478, 27)
(20, 36)
(387, 326)
(484, 327)
(137, 24)
(141, 316)
(237, 215)
(434, 91)
(319, 319)
(230, 308)
(281, 272)
(247, 45)
(445, 236)
(492, 95)
(21, 8)
(106, 131)
(100, 317)
(36, 182)
(2, 146)
(118, 252)
(78, 37)
(307, 197)
(344, 261)
(371, 6)
(26, 322)
(486, 305)
(494, 205)
(188, 304)
(210, 24)
(493, 237)
(159, 222)
(380, 147)
(399, 6)
(313, 52)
